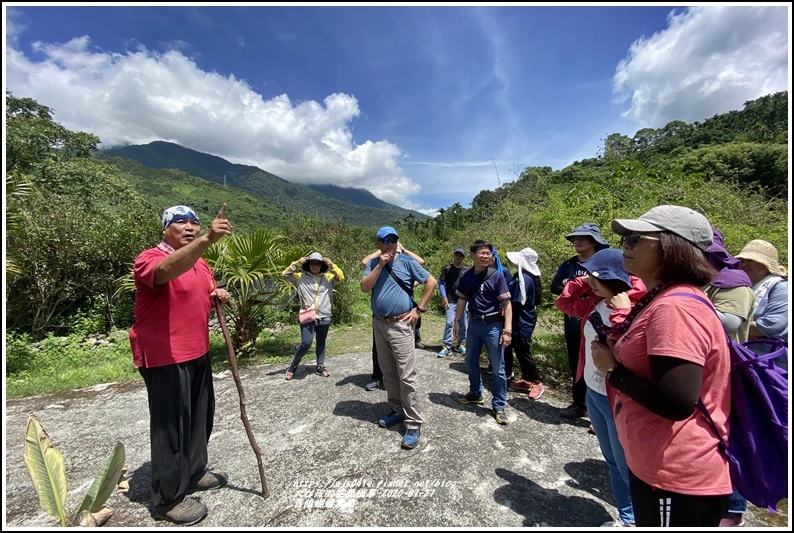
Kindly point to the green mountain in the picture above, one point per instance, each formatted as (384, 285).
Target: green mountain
(356, 206)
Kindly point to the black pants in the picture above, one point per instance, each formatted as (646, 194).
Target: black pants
(662, 508)
(573, 340)
(181, 412)
(377, 373)
(521, 346)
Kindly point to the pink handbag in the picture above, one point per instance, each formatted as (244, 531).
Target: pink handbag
(307, 315)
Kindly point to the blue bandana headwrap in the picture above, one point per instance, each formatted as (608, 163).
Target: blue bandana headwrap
(178, 212)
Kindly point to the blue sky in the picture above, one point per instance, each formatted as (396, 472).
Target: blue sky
(422, 105)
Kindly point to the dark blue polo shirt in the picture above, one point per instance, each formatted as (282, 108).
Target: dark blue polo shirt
(483, 297)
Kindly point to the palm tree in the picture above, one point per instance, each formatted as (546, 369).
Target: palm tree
(18, 188)
(250, 267)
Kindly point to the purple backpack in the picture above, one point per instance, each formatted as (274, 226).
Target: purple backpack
(757, 448)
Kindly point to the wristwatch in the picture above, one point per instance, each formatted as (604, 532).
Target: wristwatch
(420, 309)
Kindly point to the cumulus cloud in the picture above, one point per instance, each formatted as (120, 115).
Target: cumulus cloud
(710, 60)
(142, 96)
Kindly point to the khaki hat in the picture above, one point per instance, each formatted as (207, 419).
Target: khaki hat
(762, 252)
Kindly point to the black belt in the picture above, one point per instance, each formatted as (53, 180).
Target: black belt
(483, 317)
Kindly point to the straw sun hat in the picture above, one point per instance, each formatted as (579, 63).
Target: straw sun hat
(765, 253)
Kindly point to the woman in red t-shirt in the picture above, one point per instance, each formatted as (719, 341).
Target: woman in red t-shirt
(673, 352)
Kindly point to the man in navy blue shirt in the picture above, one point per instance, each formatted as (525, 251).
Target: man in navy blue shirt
(483, 291)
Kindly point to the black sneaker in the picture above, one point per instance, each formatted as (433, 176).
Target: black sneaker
(573, 411)
(500, 416)
(470, 398)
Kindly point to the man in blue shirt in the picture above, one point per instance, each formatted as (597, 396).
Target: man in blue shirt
(390, 277)
(484, 290)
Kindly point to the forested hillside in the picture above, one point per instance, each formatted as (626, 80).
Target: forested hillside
(359, 208)
(75, 222)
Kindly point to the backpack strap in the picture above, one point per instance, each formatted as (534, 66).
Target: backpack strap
(401, 283)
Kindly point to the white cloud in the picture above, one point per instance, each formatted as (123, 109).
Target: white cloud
(141, 96)
(710, 60)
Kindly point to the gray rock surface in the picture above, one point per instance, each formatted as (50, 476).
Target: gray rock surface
(326, 461)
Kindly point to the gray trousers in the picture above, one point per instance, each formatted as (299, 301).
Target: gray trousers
(397, 360)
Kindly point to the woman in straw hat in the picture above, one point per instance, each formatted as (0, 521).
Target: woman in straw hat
(770, 318)
(673, 352)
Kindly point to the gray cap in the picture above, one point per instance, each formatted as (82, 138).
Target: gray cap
(682, 221)
(460, 251)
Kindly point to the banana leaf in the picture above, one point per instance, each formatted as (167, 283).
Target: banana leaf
(45, 465)
(105, 482)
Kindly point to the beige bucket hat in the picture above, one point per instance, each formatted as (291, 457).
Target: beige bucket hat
(763, 252)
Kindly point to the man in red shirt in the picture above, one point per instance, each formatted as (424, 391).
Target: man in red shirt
(175, 290)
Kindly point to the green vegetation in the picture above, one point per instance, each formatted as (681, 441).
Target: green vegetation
(75, 223)
(359, 208)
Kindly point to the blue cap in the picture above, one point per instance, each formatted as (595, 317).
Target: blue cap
(385, 231)
(589, 229)
(607, 264)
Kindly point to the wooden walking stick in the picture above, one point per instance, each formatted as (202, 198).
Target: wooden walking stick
(243, 414)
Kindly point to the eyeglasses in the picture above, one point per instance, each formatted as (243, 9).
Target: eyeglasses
(631, 239)
(389, 240)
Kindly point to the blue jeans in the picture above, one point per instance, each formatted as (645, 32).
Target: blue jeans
(450, 316)
(736, 503)
(481, 335)
(318, 328)
(607, 435)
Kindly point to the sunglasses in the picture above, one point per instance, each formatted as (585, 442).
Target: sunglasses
(389, 240)
(631, 240)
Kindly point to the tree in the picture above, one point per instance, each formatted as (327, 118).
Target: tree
(77, 234)
(250, 267)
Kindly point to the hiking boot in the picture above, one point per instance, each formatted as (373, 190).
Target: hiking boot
(372, 385)
(410, 439)
(500, 416)
(391, 419)
(444, 352)
(461, 349)
(470, 398)
(573, 411)
(186, 513)
(207, 481)
(535, 390)
(519, 385)
(732, 520)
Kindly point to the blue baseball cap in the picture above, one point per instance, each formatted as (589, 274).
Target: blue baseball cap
(607, 264)
(385, 231)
